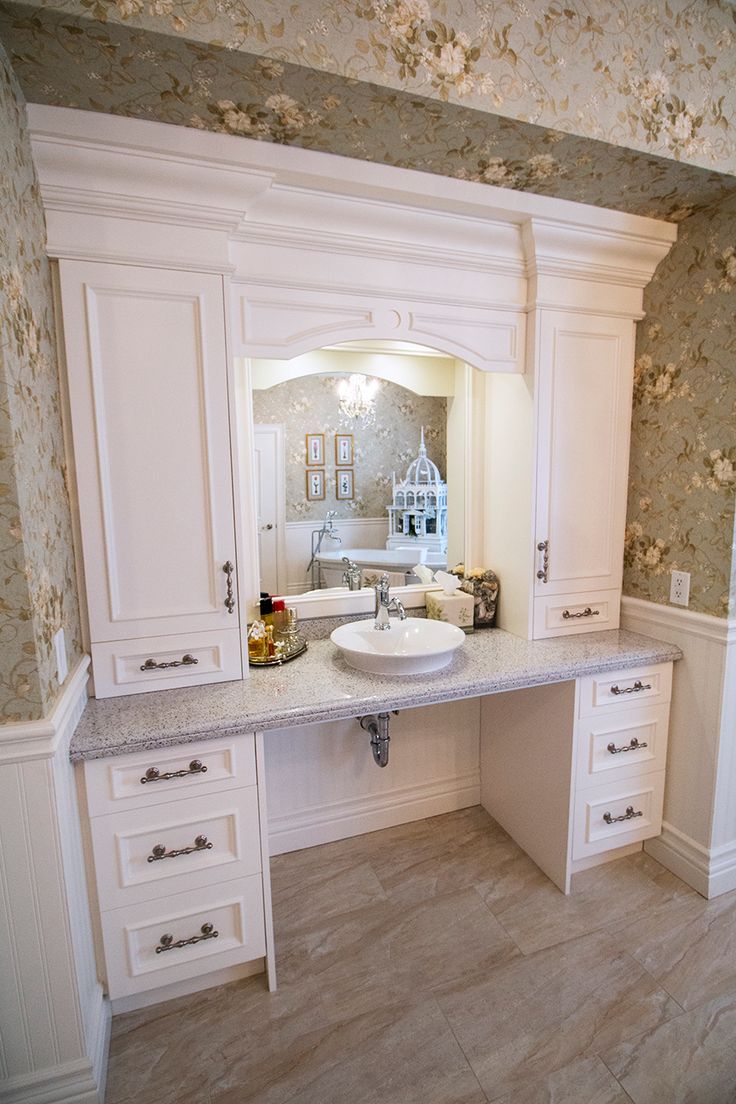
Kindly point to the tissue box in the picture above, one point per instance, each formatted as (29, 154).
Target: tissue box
(457, 608)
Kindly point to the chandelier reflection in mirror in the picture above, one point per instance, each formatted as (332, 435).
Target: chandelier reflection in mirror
(357, 398)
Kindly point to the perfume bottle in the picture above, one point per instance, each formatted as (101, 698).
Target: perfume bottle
(257, 647)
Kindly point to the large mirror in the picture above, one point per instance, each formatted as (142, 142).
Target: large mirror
(360, 456)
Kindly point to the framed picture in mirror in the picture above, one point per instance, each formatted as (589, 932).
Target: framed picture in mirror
(315, 449)
(345, 488)
(315, 484)
(344, 449)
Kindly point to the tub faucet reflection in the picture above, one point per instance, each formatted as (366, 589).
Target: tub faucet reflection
(384, 605)
(318, 535)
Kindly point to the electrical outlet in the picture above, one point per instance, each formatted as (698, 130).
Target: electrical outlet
(680, 588)
(62, 666)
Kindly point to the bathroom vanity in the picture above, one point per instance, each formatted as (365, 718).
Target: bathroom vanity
(573, 740)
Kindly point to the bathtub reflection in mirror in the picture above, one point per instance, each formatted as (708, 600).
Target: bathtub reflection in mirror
(392, 466)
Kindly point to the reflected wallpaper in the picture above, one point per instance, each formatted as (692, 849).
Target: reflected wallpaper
(309, 405)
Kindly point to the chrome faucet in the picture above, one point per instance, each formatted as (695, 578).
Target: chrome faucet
(384, 605)
(352, 574)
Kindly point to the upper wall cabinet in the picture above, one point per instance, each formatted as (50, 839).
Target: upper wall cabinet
(147, 369)
(584, 379)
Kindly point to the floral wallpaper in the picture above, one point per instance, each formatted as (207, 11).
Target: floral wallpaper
(38, 593)
(309, 405)
(115, 67)
(658, 77)
(683, 457)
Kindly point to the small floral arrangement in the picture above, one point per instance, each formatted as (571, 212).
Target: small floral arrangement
(484, 586)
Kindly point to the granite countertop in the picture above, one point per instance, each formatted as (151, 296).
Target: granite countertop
(319, 686)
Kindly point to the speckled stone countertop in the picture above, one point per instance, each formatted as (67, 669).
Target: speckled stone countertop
(319, 686)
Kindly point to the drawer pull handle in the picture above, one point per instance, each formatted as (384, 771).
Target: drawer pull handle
(633, 746)
(638, 685)
(185, 661)
(543, 572)
(153, 774)
(167, 942)
(628, 815)
(228, 568)
(587, 612)
(201, 843)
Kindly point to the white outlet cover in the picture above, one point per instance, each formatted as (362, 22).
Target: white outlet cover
(680, 588)
(62, 664)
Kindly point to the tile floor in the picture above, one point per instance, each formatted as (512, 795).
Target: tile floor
(434, 964)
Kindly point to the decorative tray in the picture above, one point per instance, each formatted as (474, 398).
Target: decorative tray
(274, 661)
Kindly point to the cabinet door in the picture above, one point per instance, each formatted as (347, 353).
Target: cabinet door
(585, 374)
(147, 369)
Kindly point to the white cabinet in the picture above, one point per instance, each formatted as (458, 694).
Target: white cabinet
(178, 864)
(575, 771)
(148, 387)
(584, 381)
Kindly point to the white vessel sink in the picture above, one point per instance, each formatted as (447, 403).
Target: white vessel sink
(411, 647)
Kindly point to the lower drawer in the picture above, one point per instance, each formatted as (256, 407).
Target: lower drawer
(569, 614)
(621, 745)
(612, 816)
(158, 663)
(173, 938)
(175, 847)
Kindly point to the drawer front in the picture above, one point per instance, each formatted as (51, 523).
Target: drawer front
(620, 745)
(567, 615)
(611, 691)
(135, 937)
(593, 833)
(204, 840)
(116, 666)
(116, 784)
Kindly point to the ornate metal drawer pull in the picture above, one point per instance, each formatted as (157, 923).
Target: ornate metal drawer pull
(201, 843)
(153, 774)
(587, 612)
(633, 746)
(167, 942)
(628, 815)
(543, 572)
(228, 568)
(185, 661)
(631, 689)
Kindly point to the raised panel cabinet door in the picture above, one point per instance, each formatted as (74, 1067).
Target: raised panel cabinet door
(146, 361)
(585, 375)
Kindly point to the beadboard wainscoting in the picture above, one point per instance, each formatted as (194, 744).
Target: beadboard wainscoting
(323, 784)
(698, 841)
(54, 1022)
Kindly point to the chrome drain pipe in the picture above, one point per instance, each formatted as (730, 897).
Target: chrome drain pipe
(376, 725)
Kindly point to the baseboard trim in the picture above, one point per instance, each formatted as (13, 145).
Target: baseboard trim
(342, 819)
(186, 988)
(70, 1083)
(719, 629)
(23, 741)
(710, 872)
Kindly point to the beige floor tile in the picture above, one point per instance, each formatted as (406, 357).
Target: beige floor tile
(688, 945)
(537, 915)
(691, 1060)
(330, 889)
(390, 946)
(537, 1014)
(399, 1055)
(586, 1081)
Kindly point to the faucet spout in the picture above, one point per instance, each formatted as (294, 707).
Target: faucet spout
(384, 605)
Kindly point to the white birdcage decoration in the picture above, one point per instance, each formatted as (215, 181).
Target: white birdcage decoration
(417, 516)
